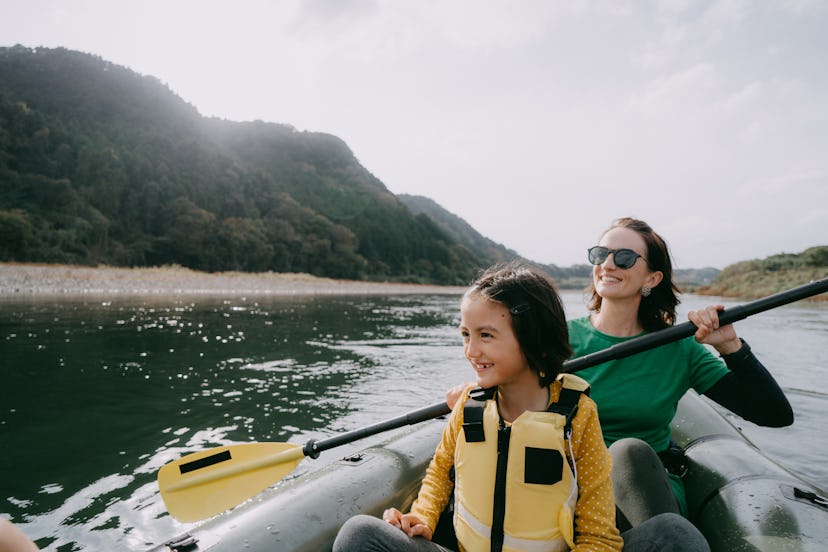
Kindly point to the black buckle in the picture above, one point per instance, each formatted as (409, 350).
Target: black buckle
(674, 460)
(811, 497)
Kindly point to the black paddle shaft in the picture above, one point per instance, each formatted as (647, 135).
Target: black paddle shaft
(686, 329)
(620, 350)
(312, 448)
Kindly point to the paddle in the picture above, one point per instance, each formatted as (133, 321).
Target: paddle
(205, 483)
(208, 482)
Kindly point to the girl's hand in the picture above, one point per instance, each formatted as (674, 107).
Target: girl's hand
(454, 394)
(409, 524)
(723, 339)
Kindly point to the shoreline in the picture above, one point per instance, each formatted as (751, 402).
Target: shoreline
(60, 280)
(37, 279)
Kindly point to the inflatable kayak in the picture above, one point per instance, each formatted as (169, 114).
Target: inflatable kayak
(739, 499)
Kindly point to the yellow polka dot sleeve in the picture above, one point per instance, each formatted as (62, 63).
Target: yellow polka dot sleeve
(595, 511)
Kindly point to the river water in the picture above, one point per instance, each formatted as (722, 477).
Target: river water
(98, 393)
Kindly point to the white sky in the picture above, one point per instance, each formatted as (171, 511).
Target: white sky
(538, 122)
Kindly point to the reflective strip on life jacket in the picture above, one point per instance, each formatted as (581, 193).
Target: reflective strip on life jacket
(513, 543)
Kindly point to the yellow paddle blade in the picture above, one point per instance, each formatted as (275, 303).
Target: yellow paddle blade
(208, 482)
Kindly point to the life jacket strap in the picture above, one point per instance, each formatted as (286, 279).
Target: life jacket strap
(473, 414)
(567, 404)
(504, 435)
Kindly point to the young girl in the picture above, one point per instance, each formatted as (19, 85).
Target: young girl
(531, 468)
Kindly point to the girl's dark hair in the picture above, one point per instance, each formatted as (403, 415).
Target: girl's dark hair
(658, 310)
(538, 316)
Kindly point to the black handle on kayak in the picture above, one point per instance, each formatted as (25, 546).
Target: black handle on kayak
(686, 329)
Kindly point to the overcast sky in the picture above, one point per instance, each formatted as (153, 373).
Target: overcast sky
(538, 122)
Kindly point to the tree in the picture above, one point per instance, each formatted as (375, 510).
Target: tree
(16, 235)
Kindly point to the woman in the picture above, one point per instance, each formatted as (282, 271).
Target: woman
(632, 293)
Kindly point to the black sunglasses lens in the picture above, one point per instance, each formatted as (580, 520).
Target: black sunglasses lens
(598, 254)
(625, 258)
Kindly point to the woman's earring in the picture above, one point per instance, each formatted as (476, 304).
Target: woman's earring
(645, 291)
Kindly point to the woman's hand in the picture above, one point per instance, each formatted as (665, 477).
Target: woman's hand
(409, 524)
(723, 339)
(454, 394)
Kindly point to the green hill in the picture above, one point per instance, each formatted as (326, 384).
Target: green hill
(762, 277)
(456, 228)
(101, 165)
(573, 277)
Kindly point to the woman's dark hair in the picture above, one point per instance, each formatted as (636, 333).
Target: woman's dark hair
(538, 316)
(658, 310)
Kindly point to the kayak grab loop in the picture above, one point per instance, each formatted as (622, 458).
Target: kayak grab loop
(354, 458)
(811, 497)
(183, 543)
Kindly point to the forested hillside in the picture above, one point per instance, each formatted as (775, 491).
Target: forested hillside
(761, 277)
(101, 165)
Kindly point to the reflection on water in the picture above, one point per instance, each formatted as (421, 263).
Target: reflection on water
(97, 395)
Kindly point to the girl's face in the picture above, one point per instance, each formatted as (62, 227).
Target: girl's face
(612, 282)
(490, 344)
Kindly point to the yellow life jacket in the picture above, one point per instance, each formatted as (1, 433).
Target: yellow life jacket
(514, 489)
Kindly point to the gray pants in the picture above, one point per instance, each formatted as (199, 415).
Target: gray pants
(663, 533)
(666, 532)
(640, 484)
(370, 534)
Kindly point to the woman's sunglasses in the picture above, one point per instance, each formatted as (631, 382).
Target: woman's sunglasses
(624, 258)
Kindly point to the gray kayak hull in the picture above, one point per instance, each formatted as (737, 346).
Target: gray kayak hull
(739, 499)
(304, 513)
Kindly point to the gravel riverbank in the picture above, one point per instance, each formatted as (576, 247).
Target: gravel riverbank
(20, 279)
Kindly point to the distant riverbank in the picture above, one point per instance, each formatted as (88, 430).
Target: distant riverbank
(757, 284)
(18, 279)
